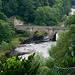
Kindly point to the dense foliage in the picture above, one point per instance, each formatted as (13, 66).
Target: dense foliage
(17, 66)
(6, 28)
(22, 33)
(70, 20)
(72, 2)
(64, 51)
(45, 16)
(40, 12)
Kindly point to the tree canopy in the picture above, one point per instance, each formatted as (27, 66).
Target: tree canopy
(27, 8)
(6, 28)
(70, 20)
(3, 17)
(45, 16)
(64, 51)
(72, 2)
(5, 31)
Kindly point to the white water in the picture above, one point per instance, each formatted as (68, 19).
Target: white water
(57, 36)
(41, 47)
(72, 10)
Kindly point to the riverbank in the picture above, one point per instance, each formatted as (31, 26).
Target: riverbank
(7, 48)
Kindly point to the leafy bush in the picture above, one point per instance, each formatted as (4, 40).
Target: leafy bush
(3, 17)
(50, 62)
(15, 42)
(13, 66)
(24, 33)
(45, 64)
(6, 32)
(38, 58)
(5, 46)
(70, 20)
(21, 39)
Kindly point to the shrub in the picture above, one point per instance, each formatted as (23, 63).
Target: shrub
(13, 66)
(24, 33)
(5, 46)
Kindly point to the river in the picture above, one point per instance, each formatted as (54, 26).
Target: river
(29, 49)
(32, 47)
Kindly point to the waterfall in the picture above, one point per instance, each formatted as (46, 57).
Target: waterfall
(57, 36)
(72, 10)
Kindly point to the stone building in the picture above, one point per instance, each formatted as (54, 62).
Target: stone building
(16, 21)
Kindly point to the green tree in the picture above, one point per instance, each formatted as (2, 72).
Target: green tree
(5, 46)
(0, 5)
(51, 2)
(37, 3)
(6, 33)
(45, 64)
(66, 6)
(72, 2)
(45, 16)
(26, 9)
(29, 10)
(21, 9)
(64, 17)
(70, 20)
(10, 8)
(3, 17)
(38, 59)
(44, 3)
(11, 24)
(64, 51)
(61, 8)
(6, 28)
